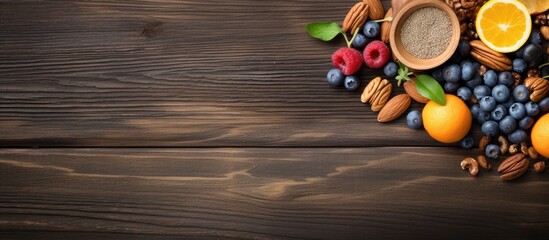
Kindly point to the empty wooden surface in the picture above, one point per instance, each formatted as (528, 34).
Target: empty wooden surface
(212, 120)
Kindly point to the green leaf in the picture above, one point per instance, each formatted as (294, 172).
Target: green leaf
(324, 31)
(428, 87)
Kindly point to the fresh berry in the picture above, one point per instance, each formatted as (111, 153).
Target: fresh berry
(490, 128)
(477, 80)
(467, 70)
(535, 37)
(544, 71)
(487, 103)
(483, 116)
(390, 70)
(532, 52)
(452, 73)
(499, 112)
(371, 29)
(517, 111)
(376, 54)
(526, 123)
(438, 75)
(464, 48)
(501, 93)
(517, 136)
(451, 87)
(544, 105)
(521, 94)
(519, 65)
(509, 103)
(360, 41)
(490, 78)
(507, 125)
(335, 77)
(467, 142)
(481, 91)
(520, 52)
(464, 93)
(492, 151)
(348, 60)
(414, 120)
(506, 78)
(351, 83)
(532, 109)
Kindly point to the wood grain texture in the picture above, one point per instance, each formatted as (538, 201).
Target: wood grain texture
(263, 193)
(179, 73)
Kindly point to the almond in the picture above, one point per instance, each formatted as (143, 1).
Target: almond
(386, 27)
(394, 108)
(513, 167)
(376, 9)
(356, 17)
(410, 88)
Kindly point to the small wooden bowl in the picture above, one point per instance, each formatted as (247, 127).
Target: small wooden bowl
(396, 43)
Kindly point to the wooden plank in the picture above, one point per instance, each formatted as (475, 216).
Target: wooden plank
(178, 73)
(262, 193)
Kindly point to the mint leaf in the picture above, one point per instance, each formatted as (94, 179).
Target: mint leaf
(324, 31)
(428, 87)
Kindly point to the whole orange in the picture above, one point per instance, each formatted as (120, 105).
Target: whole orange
(540, 135)
(449, 123)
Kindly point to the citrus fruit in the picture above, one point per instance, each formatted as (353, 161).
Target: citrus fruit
(449, 123)
(535, 6)
(540, 135)
(503, 25)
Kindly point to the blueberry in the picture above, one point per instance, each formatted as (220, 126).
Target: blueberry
(360, 41)
(451, 87)
(499, 112)
(371, 29)
(492, 151)
(487, 103)
(467, 70)
(490, 128)
(477, 80)
(474, 109)
(517, 111)
(509, 103)
(335, 77)
(532, 109)
(517, 136)
(390, 70)
(532, 52)
(476, 66)
(452, 73)
(519, 65)
(464, 93)
(544, 105)
(490, 78)
(507, 125)
(544, 70)
(506, 78)
(501, 93)
(483, 116)
(535, 37)
(464, 48)
(351, 83)
(437, 74)
(467, 142)
(520, 52)
(526, 123)
(521, 93)
(482, 91)
(414, 120)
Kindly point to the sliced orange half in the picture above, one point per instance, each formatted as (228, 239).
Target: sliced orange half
(503, 25)
(535, 6)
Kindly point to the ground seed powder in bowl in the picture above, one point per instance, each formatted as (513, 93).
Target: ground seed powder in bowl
(426, 33)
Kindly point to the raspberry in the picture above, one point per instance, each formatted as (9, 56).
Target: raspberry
(348, 60)
(376, 54)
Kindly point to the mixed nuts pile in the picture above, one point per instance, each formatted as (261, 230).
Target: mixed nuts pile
(504, 92)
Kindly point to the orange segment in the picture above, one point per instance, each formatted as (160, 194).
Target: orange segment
(535, 6)
(503, 25)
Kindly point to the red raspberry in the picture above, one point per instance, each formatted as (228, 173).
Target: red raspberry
(376, 54)
(348, 60)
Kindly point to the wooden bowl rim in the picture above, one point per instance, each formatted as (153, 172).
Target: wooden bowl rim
(406, 58)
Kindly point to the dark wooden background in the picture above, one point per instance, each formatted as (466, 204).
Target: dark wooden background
(141, 119)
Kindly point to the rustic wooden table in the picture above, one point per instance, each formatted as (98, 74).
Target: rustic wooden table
(125, 119)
